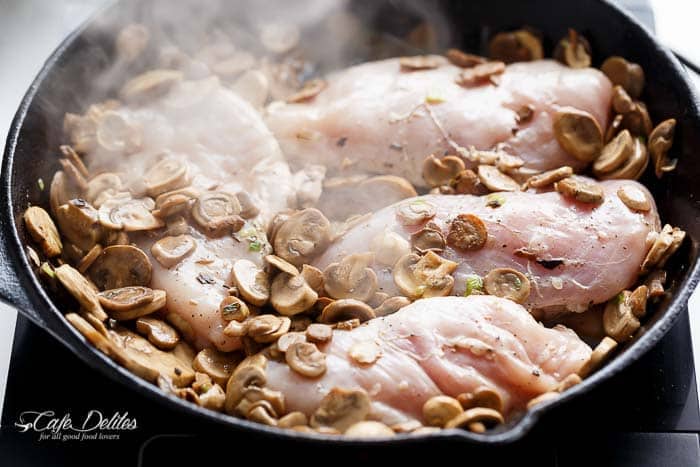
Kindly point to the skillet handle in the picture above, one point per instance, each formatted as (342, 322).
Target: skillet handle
(14, 290)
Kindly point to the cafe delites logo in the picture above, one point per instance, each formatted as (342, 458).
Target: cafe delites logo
(94, 425)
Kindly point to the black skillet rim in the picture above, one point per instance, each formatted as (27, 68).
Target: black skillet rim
(97, 360)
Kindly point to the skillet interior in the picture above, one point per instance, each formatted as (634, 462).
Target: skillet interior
(67, 84)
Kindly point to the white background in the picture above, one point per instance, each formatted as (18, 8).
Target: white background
(31, 29)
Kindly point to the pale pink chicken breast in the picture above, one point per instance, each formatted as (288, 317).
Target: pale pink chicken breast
(375, 118)
(587, 254)
(446, 345)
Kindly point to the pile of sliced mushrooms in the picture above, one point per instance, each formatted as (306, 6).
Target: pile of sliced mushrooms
(288, 308)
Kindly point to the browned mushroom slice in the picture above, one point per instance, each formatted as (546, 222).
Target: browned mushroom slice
(150, 84)
(233, 309)
(480, 74)
(126, 298)
(438, 172)
(169, 251)
(158, 333)
(341, 408)
(346, 309)
(482, 397)
(147, 361)
(74, 174)
(81, 289)
(463, 59)
(516, 46)
(61, 191)
(428, 239)
(542, 398)
(578, 133)
(628, 75)
(574, 50)
(171, 203)
(495, 180)
(305, 358)
(391, 305)
(619, 321)
(132, 215)
(420, 62)
(102, 183)
(352, 277)
(219, 366)
(311, 89)
(581, 190)
(634, 198)
(267, 328)
(121, 266)
(507, 283)
(614, 154)
(660, 142)
(291, 294)
(217, 212)
(467, 183)
(43, 231)
(249, 373)
(158, 302)
(303, 236)
(637, 120)
(166, 175)
(614, 128)
(286, 340)
(467, 233)
(549, 177)
(78, 223)
(635, 165)
(622, 103)
(665, 244)
(318, 332)
(415, 212)
(101, 342)
(469, 417)
(438, 410)
(424, 276)
(249, 209)
(599, 355)
(252, 282)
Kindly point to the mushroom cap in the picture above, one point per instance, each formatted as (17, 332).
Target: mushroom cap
(291, 295)
(121, 266)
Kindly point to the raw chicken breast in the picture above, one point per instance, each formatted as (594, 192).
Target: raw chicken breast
(574, 254)
(446, 345)
(374, 118)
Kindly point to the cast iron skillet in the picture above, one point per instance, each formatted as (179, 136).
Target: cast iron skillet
(68, 75)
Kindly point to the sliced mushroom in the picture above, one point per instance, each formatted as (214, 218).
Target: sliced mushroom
(303, 236)
(427, 239)
(169, 251)
(599, 355)
(655, 283)
(171, 203)
(660, 142)
(634, 198)
(618, 320)
(120, 266)
(282, 265)
(265, 329)
(549, 177)
(495, 180)
(581, 190)
(467, 233)
(516, 46)
(467, 183)
(469, 417)
(249, 373)
(420, 62)
(132, 215)
(233, 309)
(542, 398)
(482, 397)
(89, 258)
(628, 75)
(61, 191)
(74, 174)
(291, 294)
(665, 244)
(293, 419)
(463, 59)
(99, 340)
(622, 103)
(125, 298)
(311, 89)
(102, 183)
(574, 50)
(318, 332)
(351, 277)
(480, 74)
(507, 283)
(637, 120)
(150, 84)
(346, 309)
(438, 172)
(424, 276)
(578, 133)
(438, 410)
(341, 408)
(286, 340)
(391, 305)
(252, 282)
(635, 165)
(347, 325)
(365, 352)
(81, 289)
(43, 231)
(369, 429)
(158, 333)
(217, 213)
(614, 128)
(305, 358)
(415, 212)
(219, 366)
(614, 154)
(166, 175)
(77, 222)
(127, 314)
